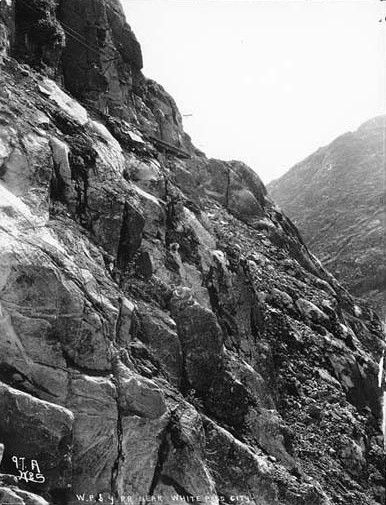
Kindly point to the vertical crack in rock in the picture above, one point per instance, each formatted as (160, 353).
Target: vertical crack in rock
(168, 441)
(130, 237)
(228, 187)
(185, 383)
(256, 316)
(163, 453)
(119, 459)
(81, 158)
(118, 323)
(57, 187)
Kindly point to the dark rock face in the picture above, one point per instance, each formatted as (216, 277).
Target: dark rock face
(336, 197)
(33, 421)
(7, 27)
(39, 38)
(102, 63)
(164, 330)
(102, 55)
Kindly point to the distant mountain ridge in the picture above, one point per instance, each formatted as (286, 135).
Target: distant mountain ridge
(337, 197)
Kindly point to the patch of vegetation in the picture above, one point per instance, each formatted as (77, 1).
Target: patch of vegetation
(37, 30)
(47, 32)
(65, 123)
(82, 157)
(193, 398)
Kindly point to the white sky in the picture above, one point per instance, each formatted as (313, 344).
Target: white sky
(267, 82)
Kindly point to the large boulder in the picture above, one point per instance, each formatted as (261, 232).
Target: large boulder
(40, 432)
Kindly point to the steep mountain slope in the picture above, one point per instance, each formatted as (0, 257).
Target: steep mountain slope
(165, 335)
(337, 197)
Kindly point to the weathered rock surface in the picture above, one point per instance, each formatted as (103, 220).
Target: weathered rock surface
(164, 330)
(336, 197)
(35, 429)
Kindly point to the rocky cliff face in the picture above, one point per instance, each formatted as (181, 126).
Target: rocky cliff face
(165, 334)
(336, 197)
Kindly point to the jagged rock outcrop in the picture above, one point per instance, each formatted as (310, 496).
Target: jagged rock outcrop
(336, 197)
(165, 334)
(89, 47)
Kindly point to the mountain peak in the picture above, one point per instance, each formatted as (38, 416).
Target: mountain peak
(376, 122)
(336, 197)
